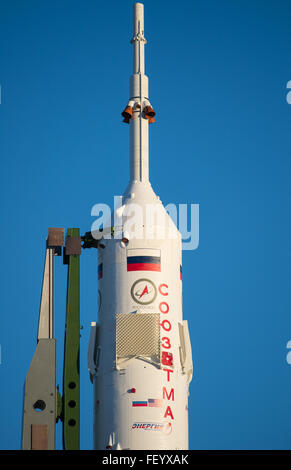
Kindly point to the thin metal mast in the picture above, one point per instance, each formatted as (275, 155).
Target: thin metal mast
(46, 315)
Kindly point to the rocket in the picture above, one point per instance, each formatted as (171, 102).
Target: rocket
(139, 357)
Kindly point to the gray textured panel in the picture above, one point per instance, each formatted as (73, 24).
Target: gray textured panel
(138, 335)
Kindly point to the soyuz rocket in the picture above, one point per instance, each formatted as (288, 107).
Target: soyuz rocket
(139, 357)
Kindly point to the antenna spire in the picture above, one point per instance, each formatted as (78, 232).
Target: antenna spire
(138, 39)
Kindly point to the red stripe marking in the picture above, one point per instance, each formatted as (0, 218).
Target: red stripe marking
(143, 267)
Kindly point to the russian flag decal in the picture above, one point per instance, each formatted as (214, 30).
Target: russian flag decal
(143, 259)
(100, 271)
(139, 403)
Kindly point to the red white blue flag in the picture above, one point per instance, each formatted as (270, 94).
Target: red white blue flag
(155, 403)
(139, 403)
(144, 259)
(100, 271)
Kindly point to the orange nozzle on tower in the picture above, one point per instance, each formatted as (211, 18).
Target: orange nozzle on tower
(127, 114)
(149, 114)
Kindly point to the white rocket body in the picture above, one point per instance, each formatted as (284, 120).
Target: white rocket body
(140, 354)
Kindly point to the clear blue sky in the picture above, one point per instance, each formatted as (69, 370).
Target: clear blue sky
(218, 73)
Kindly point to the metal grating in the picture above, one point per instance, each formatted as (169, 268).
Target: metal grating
(138, 334)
